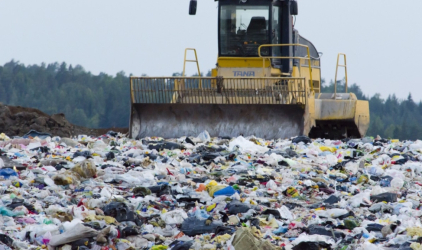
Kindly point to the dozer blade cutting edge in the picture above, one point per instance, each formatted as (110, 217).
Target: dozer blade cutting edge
(177, 120)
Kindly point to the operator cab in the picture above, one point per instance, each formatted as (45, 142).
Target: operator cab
(247, 24)
(243, 28)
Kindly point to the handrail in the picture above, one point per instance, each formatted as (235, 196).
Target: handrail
(211, 77)
(132, 96)
(345, 69)
(219, 90)
(288, 57)
(195, 61)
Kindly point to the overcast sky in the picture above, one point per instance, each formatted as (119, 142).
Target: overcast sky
(382, 38)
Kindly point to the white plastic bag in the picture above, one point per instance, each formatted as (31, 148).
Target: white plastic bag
(49, 182)
(77, 232)
(106, 193)
(246, 146)
(331, 213)
(229, 243)
(174, 217)
(81, 212)
(204, 136)
(397, 183)
(285, 213)
(271, 185)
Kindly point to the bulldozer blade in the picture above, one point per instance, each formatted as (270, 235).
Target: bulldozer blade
(177, 120)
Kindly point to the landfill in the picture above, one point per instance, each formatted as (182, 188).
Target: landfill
(200, 192)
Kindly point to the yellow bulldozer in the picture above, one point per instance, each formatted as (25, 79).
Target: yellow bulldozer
(267, 83)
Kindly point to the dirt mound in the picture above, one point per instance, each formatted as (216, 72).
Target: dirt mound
(17, 121)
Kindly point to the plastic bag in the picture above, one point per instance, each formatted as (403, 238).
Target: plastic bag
(80, 172)
(85, 169)
(212, 189)
(49, 182)
(82, 212)
(246, 146)
(174, 217)
(271, 185)
(6, 212)
(7, 173)
(77, 232)
(204, 136)
(285, 213)
(332, 213)
(193, 226)
(138, 241)
(387, 197)
(245, 239)
(227, 191)
(46, 238)
(201, 214)
(397, 183)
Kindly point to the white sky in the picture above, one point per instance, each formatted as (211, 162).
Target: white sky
(382, 38)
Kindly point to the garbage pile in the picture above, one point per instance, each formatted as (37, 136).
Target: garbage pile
(112, 192)
(17, 121)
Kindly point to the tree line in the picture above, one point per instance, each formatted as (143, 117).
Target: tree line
(95, 101)
(103, 100)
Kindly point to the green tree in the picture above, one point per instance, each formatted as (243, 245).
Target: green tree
(59, 88)
(376, 126)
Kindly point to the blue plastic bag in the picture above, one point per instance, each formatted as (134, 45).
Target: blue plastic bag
(227, 191)
(7, 173)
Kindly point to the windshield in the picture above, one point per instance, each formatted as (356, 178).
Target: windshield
(243, 29)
